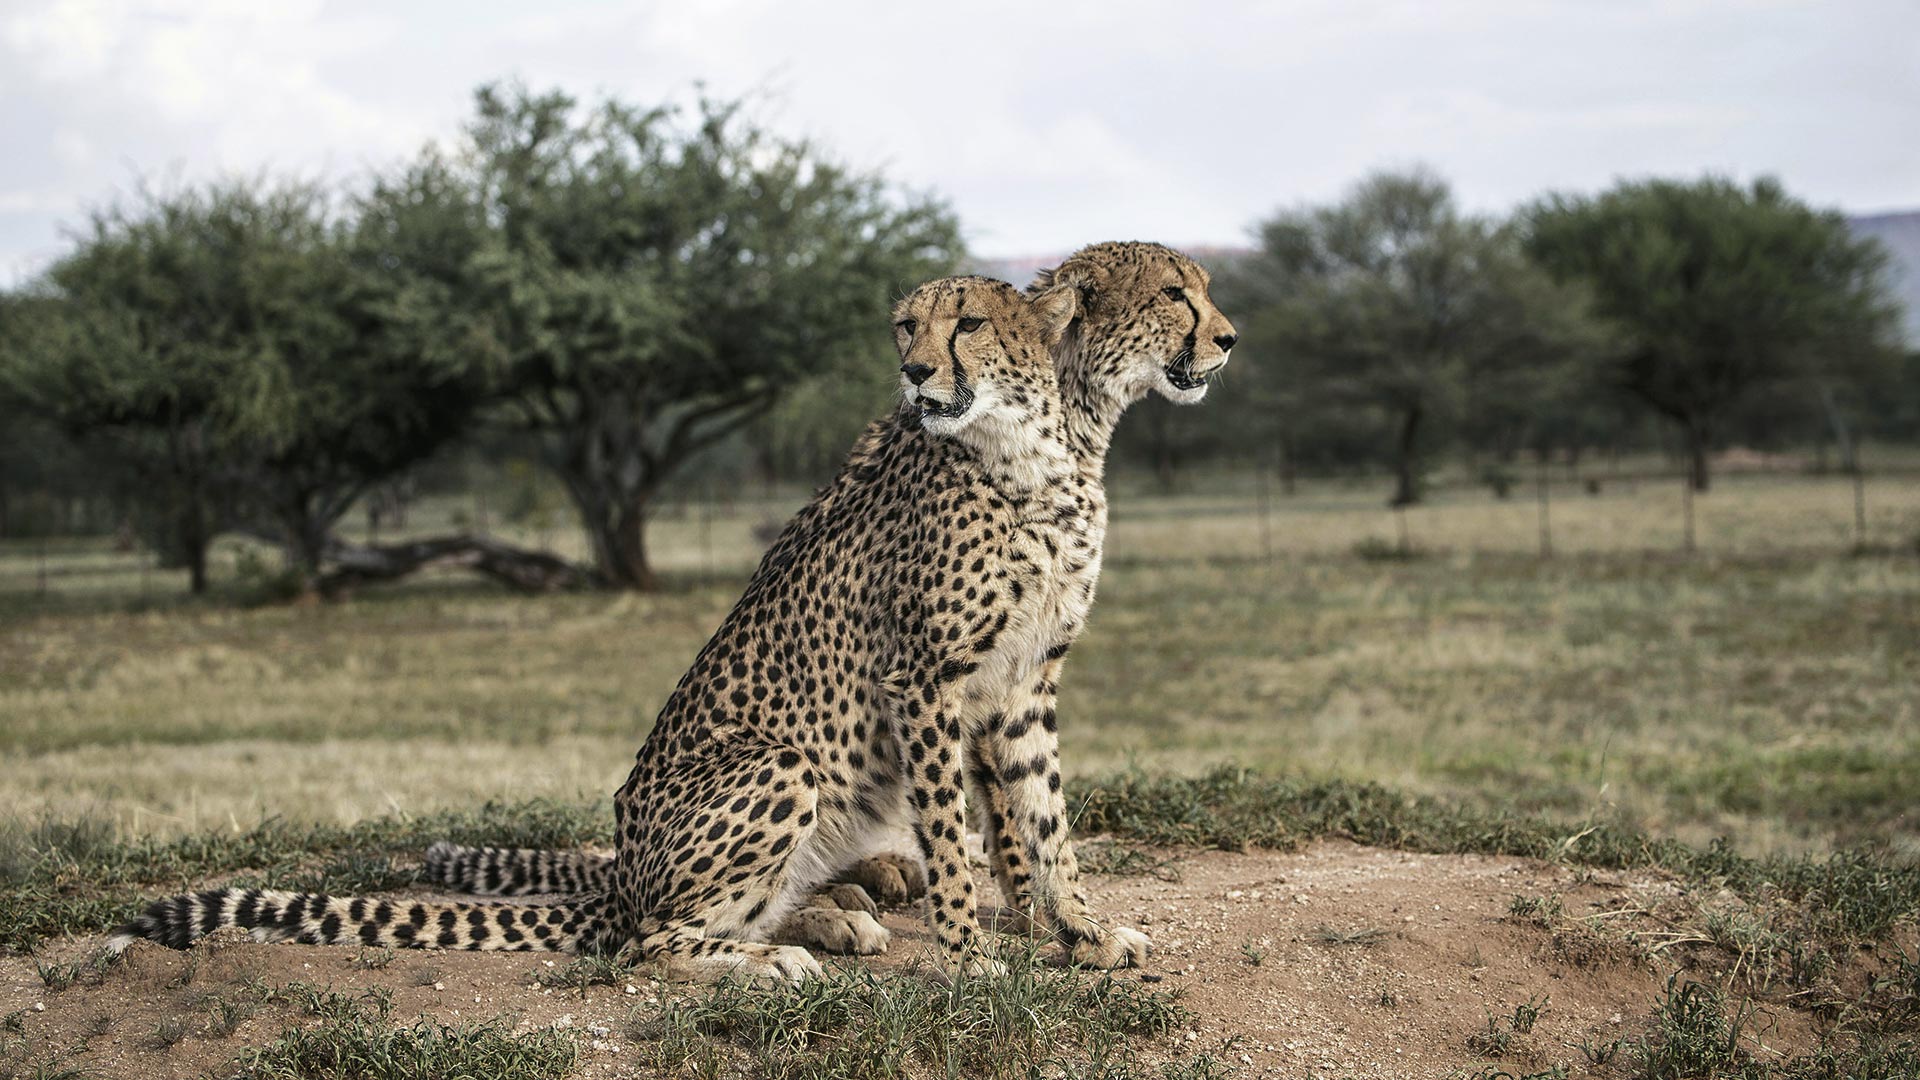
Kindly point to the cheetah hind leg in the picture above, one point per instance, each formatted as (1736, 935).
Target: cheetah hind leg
(720, 899)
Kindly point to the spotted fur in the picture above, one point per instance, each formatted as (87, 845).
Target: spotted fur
(880, 630)
(1144, 323)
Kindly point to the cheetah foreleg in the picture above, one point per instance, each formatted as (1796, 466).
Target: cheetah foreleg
(1020, 761)
(934, 750)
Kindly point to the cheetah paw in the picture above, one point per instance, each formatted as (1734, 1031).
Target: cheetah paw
(847, 897)
(847, 933)
(786, 963)
(753, 964)
(891, 879)
(1117, 947)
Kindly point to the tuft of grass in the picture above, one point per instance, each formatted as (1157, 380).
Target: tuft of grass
(86, 971)
(1541, 911)
(372, 959)
(227, 1014)
(584, 972)
(355, 1040)
(1526, 1014)
(1599, 1055)
(1693, 1036)
(168, 1033)
(1032, 1021)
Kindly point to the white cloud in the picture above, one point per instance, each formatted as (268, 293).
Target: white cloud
(1047, 124)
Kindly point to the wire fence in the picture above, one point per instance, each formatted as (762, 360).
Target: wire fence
(714, 530)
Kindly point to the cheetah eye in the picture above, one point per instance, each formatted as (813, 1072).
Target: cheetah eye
(969, 325)
(907, 325)
(1175, 292)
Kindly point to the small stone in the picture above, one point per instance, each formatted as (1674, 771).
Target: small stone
(632, 989)
(439, 986)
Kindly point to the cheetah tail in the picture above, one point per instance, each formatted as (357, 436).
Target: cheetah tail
(488, 871)
(576, 925)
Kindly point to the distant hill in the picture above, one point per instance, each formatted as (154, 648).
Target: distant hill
(1900, 232)
(1019, 269)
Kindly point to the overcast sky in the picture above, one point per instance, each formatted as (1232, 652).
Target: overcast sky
(1048, 125)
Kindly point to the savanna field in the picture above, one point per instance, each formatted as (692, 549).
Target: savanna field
(1731, 735)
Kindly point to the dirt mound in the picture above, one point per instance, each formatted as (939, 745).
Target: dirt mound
(1337, 960)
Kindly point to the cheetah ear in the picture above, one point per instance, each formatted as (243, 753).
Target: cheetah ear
(1057, 307)
(1083, 275)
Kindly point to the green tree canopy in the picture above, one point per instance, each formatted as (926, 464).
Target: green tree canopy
(645, 284)
(1719, 289)
(238, 352)
(1394, 301)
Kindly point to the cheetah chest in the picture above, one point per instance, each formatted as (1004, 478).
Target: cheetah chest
(1062, 549)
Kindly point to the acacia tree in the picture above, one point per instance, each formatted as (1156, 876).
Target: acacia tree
(1718, 289)
(654, 286)
(1393, 300)
(227, 345)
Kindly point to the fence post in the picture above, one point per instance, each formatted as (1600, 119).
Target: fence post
(1859, 505)
(1546, 520)
(1686, 499)
(706, 529)
(1266, 527)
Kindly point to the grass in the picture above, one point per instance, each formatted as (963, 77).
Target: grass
(1755, 691)
(1035, 1021)
(356, 1038)
(1618, 705)
(1836, 899)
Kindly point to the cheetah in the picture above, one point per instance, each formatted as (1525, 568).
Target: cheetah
(1145, 324)
(880, 632)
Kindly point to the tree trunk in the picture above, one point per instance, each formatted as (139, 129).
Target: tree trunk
(306, 543)
(192, 535)
(1407, 489)
(627, 545)
(617, 528)
(1697, 447)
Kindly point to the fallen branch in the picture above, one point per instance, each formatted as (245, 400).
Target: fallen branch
(353, 565)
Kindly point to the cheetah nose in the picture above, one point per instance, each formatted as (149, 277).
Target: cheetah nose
(916, 373)
(1225, 341)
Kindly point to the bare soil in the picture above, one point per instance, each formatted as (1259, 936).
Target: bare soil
(1336, 960)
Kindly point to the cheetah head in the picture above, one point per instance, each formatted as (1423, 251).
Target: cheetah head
(1146, 322)
(974, 353)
